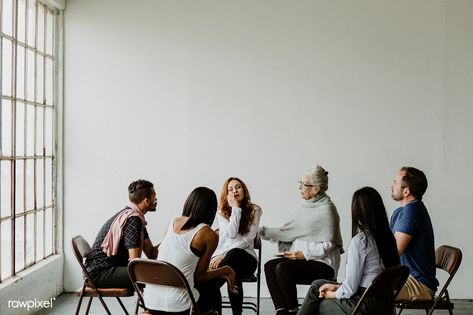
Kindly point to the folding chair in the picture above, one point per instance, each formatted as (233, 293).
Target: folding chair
(388, 282)
(150, 271)
(81, 249)
(447, 258)
(254, 306)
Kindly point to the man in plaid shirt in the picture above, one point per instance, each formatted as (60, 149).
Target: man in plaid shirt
(127, 236)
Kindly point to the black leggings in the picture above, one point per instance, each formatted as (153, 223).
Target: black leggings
(243, 264)
(282, 275)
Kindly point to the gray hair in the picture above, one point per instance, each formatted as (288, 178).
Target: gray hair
(319, 177)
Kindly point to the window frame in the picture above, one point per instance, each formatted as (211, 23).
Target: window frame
(53, 154)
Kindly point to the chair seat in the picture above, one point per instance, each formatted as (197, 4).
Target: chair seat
(106, 292)
(424, 304)
(249, 278)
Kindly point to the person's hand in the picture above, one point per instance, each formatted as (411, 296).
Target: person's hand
(230, 278)
(328, 291)
(214, 262)
(298, 255)
(232, 202)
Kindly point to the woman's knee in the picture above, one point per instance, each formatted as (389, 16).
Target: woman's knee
(270, 266)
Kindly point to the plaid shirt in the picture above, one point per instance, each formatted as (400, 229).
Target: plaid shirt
(97, 261)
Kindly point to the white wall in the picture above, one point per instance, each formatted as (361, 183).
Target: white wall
(187, 93)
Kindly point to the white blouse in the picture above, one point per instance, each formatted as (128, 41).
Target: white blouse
(229, 238)
(363, 265)
(325, 252)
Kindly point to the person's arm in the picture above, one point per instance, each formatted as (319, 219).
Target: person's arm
(233, 225)
(328, 291)
(405, 226)
(134, 252)
(310, 250)
(280, 234)
(206, 241)
(402, 241)
(132, 237)
(150, 250)
(354, 267)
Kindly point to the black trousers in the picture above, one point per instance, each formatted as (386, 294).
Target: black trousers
(114, 277)
(243, 264)
(210, 297)
(282, 275)
(375, 305)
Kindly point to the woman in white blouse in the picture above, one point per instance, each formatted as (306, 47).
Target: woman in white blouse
(372, 249)
(238, 221)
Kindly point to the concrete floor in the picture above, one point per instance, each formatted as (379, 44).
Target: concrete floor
(66, 304)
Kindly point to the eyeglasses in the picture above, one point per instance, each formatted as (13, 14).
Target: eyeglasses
(304, 184)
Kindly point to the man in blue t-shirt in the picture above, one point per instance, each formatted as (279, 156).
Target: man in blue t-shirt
(414, 234)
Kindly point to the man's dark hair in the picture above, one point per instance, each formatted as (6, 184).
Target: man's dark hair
(200, 207)
(139, 190)
(415, 180)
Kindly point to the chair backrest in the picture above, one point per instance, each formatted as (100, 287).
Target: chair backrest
(257, 245)
(150, 271)
(387, 283)
(447, 258)
(257, 242)
(81, 249)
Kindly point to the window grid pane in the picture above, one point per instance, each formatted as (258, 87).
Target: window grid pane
(27, 139)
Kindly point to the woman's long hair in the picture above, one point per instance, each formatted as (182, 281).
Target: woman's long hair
(247, 214)
(200, 207)
(369, 215)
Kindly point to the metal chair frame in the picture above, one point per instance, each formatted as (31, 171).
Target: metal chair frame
(389, 281)
(149, 271)
(447, 258)
(81, 249)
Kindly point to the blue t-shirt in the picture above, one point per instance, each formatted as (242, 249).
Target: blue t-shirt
(414, 220)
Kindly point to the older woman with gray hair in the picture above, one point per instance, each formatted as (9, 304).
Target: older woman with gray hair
(310, 243)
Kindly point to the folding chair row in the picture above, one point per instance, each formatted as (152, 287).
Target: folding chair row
(142, 271)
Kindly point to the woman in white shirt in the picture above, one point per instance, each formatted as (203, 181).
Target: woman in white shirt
(310, 240)
(188, 245)
(372, 249)
(238, 222)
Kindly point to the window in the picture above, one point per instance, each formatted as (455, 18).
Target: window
(28, 40)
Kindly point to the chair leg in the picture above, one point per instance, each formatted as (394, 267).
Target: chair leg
(123, 306)
(79, 304)
(137, 305)
(400, 311)
(257, 297)
(104, 305)
(87, 309)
